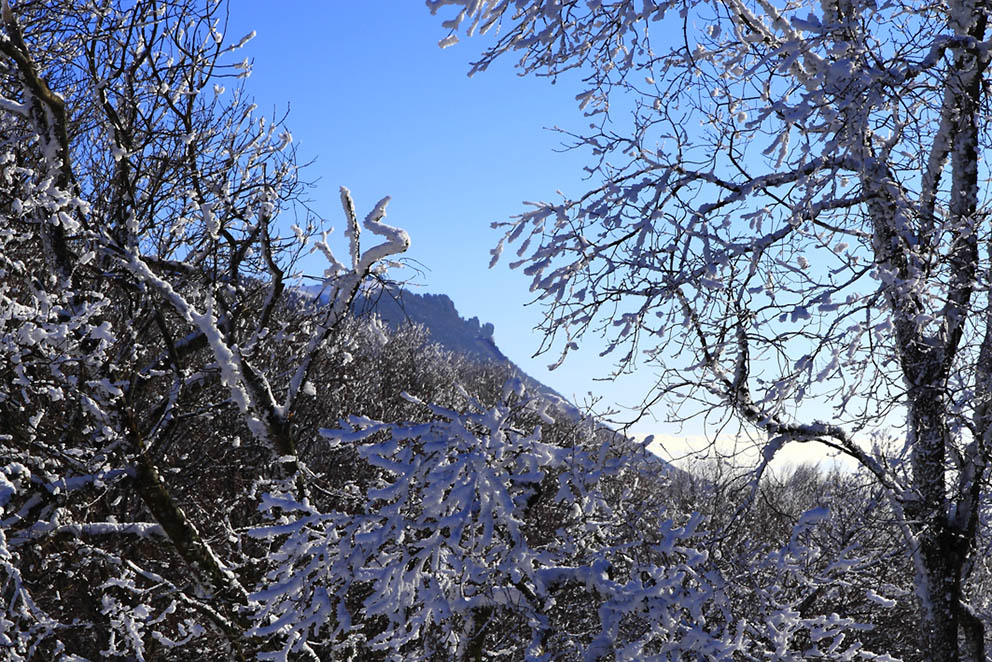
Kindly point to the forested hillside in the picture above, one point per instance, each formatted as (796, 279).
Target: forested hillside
(472, 339)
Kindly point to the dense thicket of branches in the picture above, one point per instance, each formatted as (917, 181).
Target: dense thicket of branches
(199, 459)
(791, 223)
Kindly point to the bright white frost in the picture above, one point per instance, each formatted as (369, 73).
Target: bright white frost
(451, 538)
(444, 543)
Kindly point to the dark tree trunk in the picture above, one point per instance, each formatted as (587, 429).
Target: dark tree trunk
(942, 551)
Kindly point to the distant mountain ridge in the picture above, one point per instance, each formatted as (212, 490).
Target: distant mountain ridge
(438, 315)
(471, 338)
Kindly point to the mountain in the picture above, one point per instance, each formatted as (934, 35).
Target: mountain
(472, 338)
(438, 315)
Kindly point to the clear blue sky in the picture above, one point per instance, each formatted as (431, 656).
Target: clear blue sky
(385, 111)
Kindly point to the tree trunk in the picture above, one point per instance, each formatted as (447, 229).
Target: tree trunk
(475, 651)
(940, 600)
(191, 547)
(942, 551)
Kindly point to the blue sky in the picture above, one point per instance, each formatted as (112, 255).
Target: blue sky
(385, 111)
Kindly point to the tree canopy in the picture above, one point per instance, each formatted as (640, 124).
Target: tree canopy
(791, 224)
(201, 457)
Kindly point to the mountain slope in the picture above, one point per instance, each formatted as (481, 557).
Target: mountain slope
(438, 315)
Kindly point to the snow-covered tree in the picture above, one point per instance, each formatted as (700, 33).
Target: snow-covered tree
(479, 539)
(153, 356)
(791, 226)
(199, 459)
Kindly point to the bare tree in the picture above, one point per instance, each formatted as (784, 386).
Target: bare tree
(146, 315)
(791, 223)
